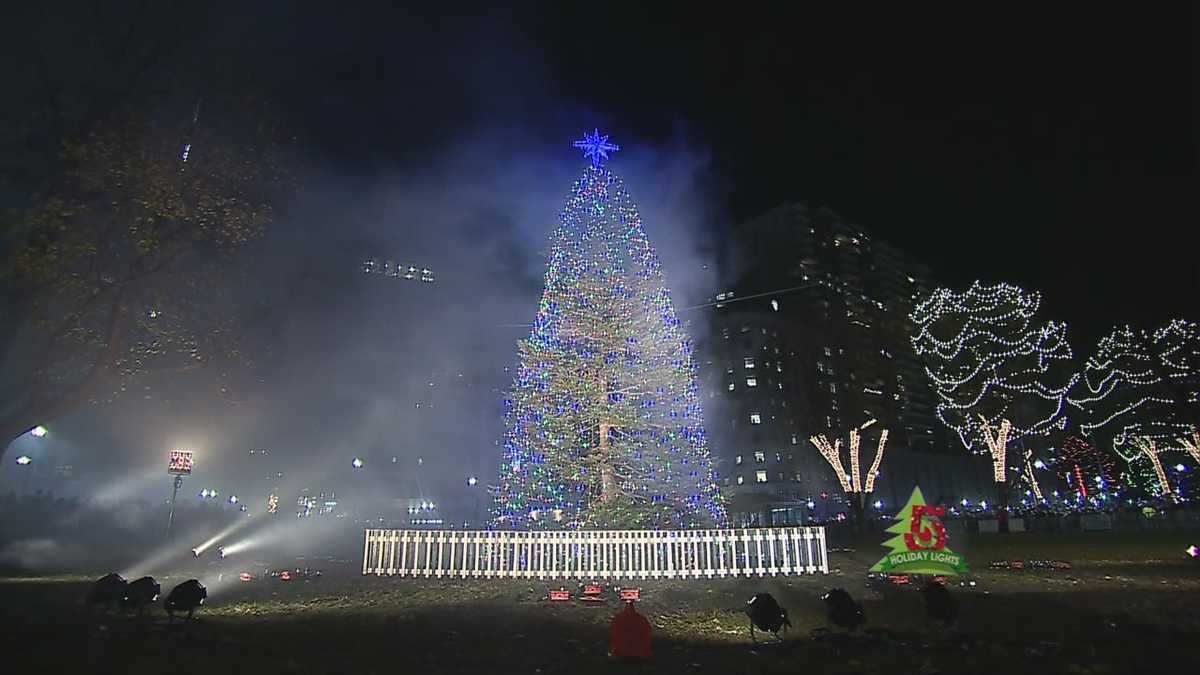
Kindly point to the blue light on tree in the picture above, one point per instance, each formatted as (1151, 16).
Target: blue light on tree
(596, 147)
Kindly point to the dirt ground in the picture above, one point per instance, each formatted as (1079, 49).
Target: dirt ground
(1128, 605)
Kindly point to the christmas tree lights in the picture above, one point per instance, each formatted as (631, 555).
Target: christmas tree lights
(604, 422)
(989, 361)
(1080, 463)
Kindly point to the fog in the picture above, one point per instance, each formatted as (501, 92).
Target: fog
(404, 375)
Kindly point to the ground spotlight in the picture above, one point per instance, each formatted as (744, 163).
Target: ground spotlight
(38, 432)
(196, 553)
(24, 459)
(766, 614)
(842, 610)
(221, 552)
(186, 597)
(107, 591)
(140, 593)
(233, 527)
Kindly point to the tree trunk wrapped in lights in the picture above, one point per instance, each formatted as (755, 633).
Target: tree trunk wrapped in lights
(1150, 451)
(1191, 445)
(852, 482)
(604, 423)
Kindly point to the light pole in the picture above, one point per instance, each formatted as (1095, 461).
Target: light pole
(179, 465)
(472, 482)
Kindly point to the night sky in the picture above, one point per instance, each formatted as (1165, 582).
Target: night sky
(1054, 148)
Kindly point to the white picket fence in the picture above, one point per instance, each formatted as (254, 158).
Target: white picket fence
(596, 554)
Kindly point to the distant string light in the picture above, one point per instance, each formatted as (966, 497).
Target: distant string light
(1137, 383)
(397, 270)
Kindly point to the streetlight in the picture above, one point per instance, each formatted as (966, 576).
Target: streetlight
(472, 482)
(25, 460)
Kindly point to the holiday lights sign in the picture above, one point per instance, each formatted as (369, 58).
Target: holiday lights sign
(919, 546)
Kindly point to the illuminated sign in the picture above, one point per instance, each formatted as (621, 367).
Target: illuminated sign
(560, 596)
(919, 546)
(180, 463)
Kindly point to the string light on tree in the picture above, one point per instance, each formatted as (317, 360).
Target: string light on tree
(990, 361)
(997, 445)
(1191, 445)
(852, 482)
(1148, 450)
(604, 425)
(1079, 462)
(1140, 385)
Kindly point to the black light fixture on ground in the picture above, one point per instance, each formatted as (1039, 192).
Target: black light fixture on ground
(186, 597)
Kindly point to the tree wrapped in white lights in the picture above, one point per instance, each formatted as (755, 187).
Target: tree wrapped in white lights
(1139, 384)
(990, 363)
(853, 483)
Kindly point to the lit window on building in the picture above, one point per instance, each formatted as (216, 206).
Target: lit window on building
(737, 460)
(795, 439)
(730, 386)
(797, 476)
(748, 363)
(740, 480)
(828, 351)
(779, 457)
(745, 328)
(760, 457)
(775, 305)
(755, 418)
(751, 382)
(760, 476)
(778, 367)
(779, 476)
(833, 387)
(828, 422)
(821, 367)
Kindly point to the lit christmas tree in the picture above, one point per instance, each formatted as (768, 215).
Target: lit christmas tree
(604, 424)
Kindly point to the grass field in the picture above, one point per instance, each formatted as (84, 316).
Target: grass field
(1129, 605)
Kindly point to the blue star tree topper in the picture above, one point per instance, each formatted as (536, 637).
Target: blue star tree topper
(596, 147)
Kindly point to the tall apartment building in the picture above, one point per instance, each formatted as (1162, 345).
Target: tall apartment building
(810, 336)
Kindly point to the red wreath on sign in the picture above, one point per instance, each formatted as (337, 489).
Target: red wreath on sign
(927, 532)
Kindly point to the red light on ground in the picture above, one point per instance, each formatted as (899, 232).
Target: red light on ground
(246, 576)
(631, 594)
(592, 589)
(285, 576)
(560, 596)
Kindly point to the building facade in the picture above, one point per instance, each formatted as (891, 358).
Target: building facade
(810, 336)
